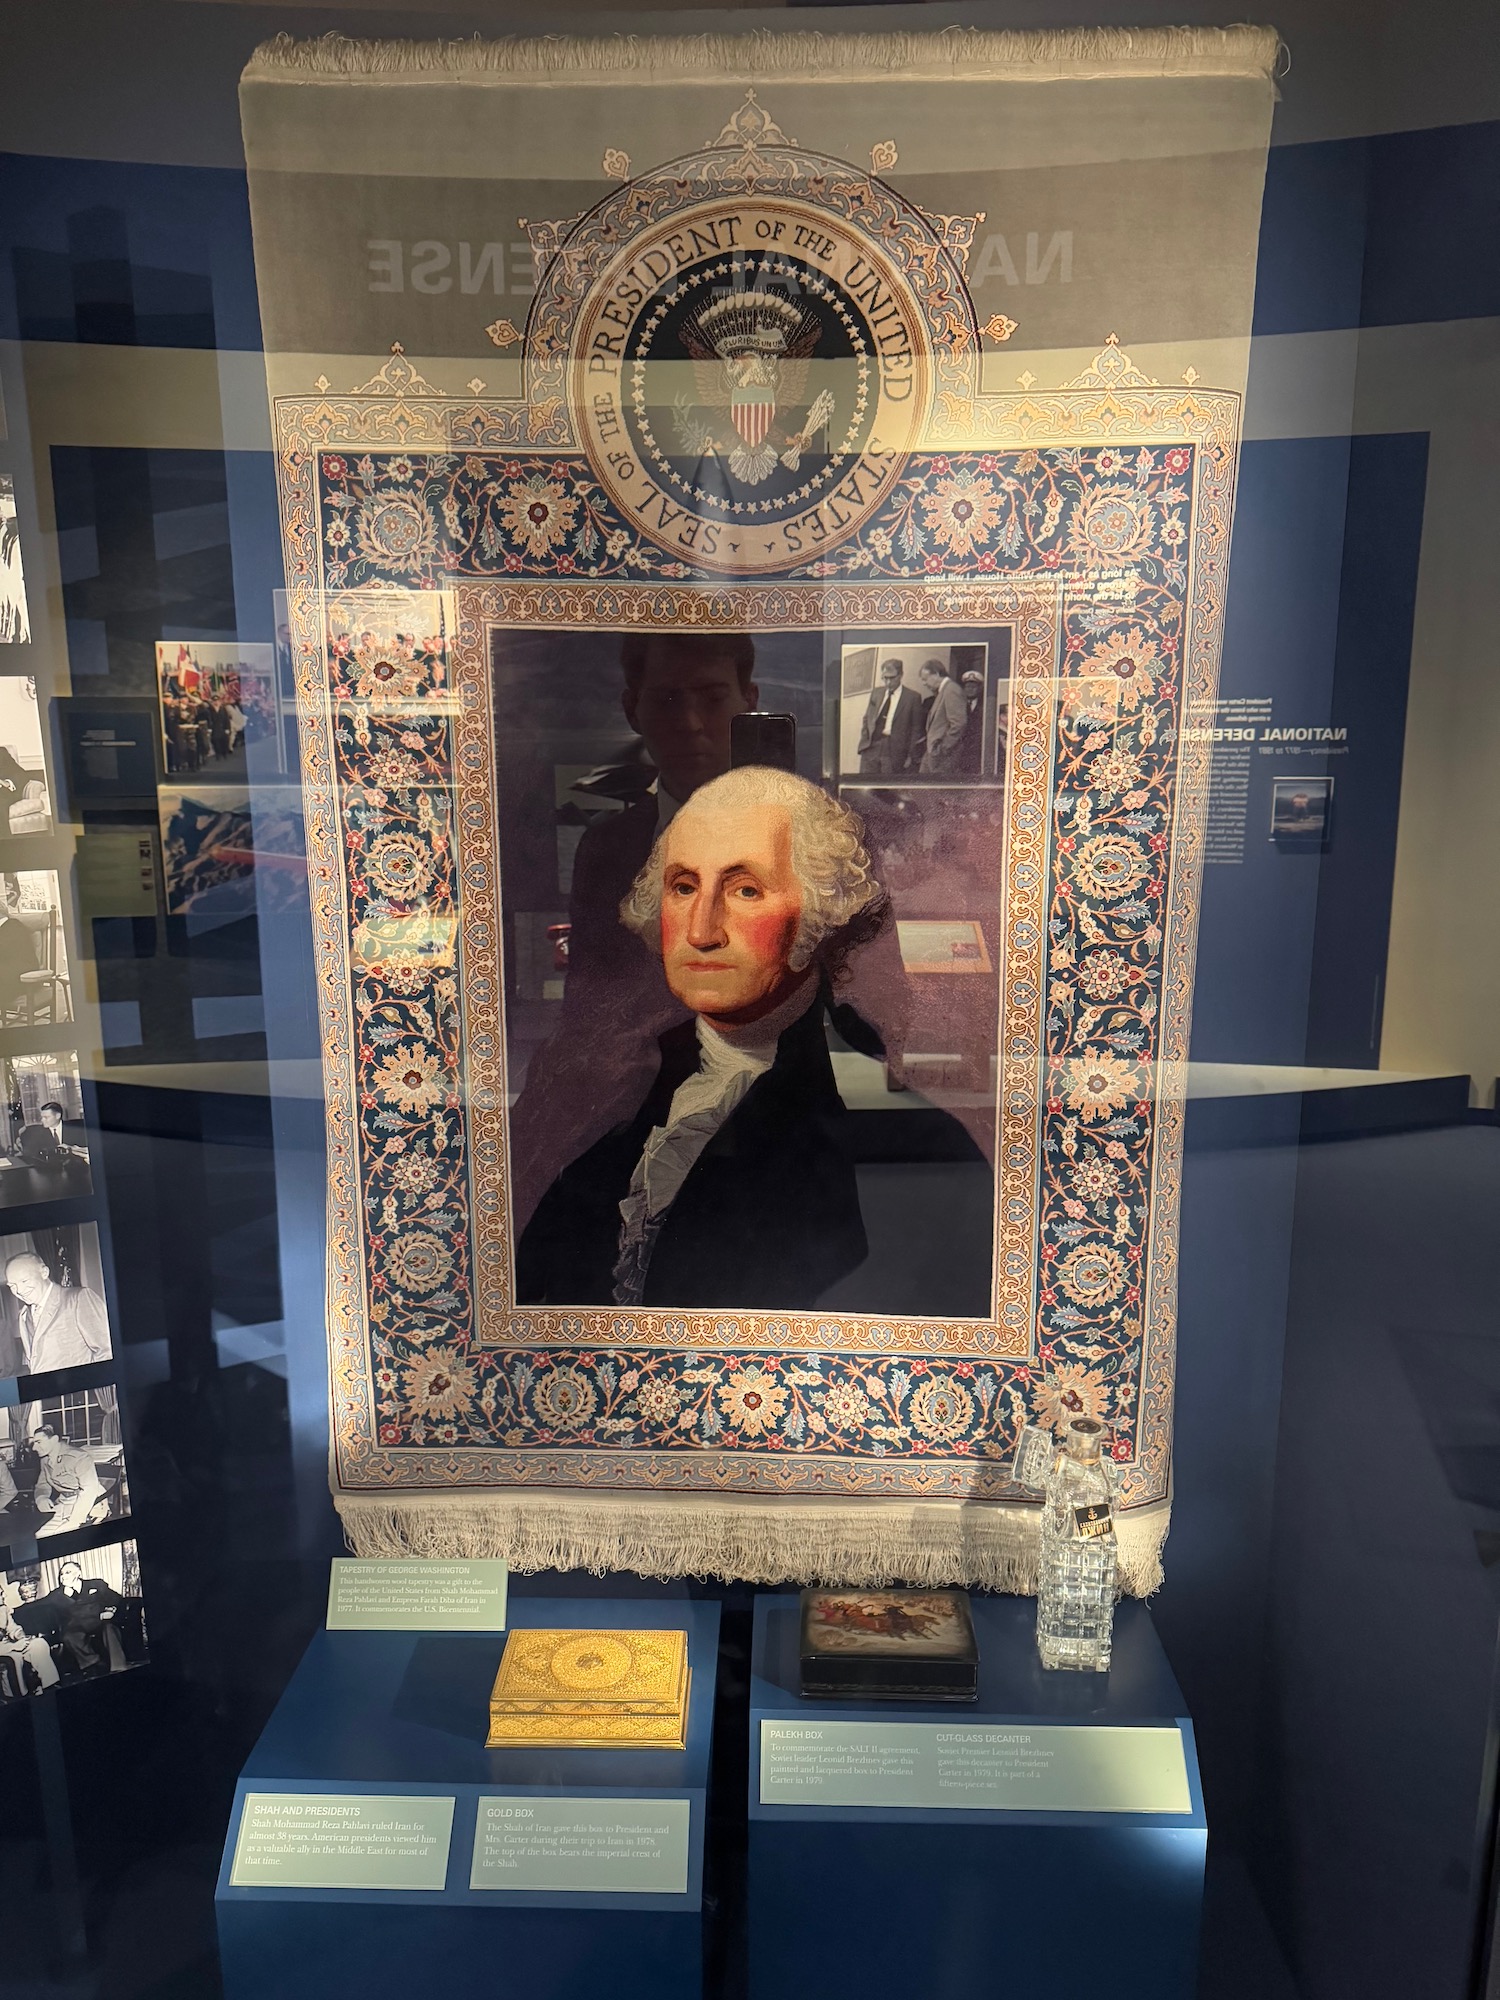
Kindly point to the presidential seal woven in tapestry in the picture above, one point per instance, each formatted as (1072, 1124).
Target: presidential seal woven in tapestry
(757, 522)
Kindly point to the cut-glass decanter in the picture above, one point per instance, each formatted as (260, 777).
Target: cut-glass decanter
(1075, 1606)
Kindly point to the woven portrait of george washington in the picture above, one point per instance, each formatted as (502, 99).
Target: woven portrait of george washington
(739, 1129)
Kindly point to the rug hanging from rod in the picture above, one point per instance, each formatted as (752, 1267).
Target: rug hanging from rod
(890, 382)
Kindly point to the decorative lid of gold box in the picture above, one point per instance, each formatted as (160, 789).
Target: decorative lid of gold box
(613, 1672)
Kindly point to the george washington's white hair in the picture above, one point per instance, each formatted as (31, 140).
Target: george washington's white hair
(842, 901)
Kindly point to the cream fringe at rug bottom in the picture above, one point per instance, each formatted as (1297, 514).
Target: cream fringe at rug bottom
(990, 1546)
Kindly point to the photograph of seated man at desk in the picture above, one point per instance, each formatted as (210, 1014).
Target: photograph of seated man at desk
(43, 1145)
(62, 1465)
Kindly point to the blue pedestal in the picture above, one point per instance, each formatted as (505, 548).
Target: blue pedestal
(955, 1903)
(393, 1714)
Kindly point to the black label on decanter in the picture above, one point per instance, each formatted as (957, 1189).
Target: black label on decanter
(1094, 1521)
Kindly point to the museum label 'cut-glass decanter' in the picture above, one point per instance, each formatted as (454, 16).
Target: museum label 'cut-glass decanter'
(1075, 1606)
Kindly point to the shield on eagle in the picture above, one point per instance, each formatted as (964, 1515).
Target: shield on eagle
(751, 352)
(751, 410)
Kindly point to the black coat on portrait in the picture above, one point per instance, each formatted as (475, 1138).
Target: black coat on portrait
(768, 1218)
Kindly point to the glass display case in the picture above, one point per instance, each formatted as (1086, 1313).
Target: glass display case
(747, 777)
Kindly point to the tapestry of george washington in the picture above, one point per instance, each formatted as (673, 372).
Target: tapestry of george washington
(756, 514)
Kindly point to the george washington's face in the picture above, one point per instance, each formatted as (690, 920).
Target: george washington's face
(730, 907)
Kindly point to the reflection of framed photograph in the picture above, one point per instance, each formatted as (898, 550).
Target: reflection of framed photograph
(220, 716)
(62, 1464)
(921, 707)
(52, 1310)
(212, 846)
(70, 1618)
(1302, 812)
(25, 806)
(43, 1147)
(930, 945)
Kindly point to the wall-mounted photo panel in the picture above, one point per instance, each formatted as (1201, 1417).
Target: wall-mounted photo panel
(1302, 813)
(15, 623)
(111, 750)
(35, 990)
(909, 708)
(213, 846)
(25, 802)
(62, 1465)
(52, 1310)
(44, 1153)
(70, 1618)
(219, 710)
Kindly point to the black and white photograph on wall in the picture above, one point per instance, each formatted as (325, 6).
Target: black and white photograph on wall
(71, 1618)
(222, 858)
(910, 708)
(220, 718)
(1302, 813)
(34, 984)
(62, 1465)
(44, 1152)
(52, 1310)
(25, 805)
(15, 624)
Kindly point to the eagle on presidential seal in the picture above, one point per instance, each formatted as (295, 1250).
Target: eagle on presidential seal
(750, 354)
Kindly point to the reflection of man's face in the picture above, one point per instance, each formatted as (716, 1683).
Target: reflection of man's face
(890, 673)
(683, 708)
(729, 911)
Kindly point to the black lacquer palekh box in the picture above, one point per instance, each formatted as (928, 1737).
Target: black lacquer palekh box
(889, 1645)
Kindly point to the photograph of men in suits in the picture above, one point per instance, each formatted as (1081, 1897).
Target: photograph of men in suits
(947, 718)
(890, 734)
(729, 1185)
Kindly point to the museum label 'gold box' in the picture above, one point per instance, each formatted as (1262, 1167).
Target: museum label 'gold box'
(571, 1689)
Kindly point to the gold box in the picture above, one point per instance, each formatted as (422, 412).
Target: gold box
(594, 1689)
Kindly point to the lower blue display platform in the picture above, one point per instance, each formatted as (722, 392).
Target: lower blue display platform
(957, 1902)
(399, 1715)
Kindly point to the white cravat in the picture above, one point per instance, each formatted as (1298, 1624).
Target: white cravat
(729, 1061)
